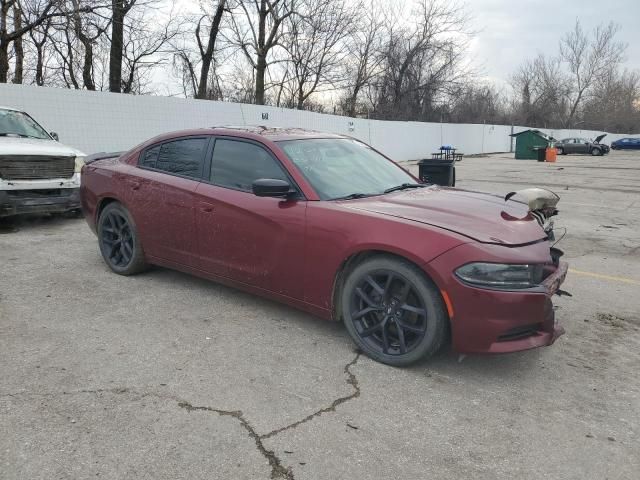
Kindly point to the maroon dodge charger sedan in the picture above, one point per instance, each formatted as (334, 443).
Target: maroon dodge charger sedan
(329, 225)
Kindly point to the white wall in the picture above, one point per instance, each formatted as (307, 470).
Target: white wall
(102, 121)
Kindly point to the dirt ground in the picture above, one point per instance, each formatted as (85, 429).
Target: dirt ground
(166, 376)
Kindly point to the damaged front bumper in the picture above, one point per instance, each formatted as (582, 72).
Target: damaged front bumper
(39, 196)
(500, 321)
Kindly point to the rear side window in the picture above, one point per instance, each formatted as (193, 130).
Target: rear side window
(183, 157)
(238, 164)
(149, 157)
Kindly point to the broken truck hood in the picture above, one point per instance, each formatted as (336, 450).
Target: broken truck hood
(481, 216)
(36, 146)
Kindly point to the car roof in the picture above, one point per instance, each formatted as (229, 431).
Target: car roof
(2, 107)
(256, 133)
(276, 133)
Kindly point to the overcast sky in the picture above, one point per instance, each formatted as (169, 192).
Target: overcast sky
(511, 30)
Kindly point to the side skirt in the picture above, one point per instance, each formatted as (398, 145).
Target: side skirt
(315, 310)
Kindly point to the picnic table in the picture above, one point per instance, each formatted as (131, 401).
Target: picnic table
(447, 153)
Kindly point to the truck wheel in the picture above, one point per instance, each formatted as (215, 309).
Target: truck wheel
(118, 240)
(393, 312)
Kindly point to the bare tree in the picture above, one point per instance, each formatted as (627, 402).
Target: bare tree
(258, 31)
(18, 47)
(119, 11)
(39, 38)
(207, 51)
(145, 48)
(543, 88)
(87, 29)
(363, 53)
(589, 58)
(27, 15)
(315, 44)
(421, 59)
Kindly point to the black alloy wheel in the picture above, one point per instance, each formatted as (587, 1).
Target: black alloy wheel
(118, 241)
(392, 312)
(387, 313)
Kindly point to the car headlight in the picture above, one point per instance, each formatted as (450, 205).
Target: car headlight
(79, 164)
(501, 276)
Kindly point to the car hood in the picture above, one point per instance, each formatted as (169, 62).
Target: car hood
(480, 216)
(35, 146)
(599, 138)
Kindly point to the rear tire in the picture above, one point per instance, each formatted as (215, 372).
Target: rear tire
(393, 312)
(118, 240)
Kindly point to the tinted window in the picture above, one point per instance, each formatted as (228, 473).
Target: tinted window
(182, 157)
(237, 164)
(149, 157)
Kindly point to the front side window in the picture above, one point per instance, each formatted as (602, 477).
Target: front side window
(20, 124)
(184, 157)
(238, 164)
(338, 167)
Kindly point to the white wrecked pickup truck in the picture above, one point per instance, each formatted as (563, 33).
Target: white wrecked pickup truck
(37, 173)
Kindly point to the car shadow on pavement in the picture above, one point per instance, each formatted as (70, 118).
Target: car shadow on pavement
(19, 223)
(444, 363)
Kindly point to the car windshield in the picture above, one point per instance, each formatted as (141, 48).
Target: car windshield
(341, 167)
(19, 124)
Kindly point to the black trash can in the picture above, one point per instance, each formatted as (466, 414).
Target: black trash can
(540, 153)
(438, 172)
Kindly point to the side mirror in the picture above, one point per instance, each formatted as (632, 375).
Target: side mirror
(271, 187)
(54, 135)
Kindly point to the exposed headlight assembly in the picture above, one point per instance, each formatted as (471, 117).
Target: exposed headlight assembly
(501, 276)
(79, 164)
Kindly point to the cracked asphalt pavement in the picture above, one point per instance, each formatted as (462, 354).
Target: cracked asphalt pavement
(167, 376)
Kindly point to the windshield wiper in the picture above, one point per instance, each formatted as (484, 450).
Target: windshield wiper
(351, 196)
(404, 186)
(21, 135)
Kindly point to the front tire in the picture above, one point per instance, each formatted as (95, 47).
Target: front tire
(118, 240)
(393, 312)
(560, 151)
(596, 152)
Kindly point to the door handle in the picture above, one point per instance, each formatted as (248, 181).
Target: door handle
(207, 208)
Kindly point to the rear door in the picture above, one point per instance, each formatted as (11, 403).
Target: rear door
(254, 240)
(162, 195)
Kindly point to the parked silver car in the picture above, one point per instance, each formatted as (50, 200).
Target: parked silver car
(582, 145)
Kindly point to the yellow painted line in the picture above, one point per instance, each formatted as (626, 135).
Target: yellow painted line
(606, 277)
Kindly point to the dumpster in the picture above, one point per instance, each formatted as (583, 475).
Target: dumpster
(436, 171)
(527, 143)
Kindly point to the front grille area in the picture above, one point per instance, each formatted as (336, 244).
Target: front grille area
(44, 193)
(35, 167)
(518, 333)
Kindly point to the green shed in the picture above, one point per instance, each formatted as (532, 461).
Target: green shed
(528, 141)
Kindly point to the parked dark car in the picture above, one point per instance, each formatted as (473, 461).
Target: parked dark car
(626, 144)
(582, 145)
(329, 225)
